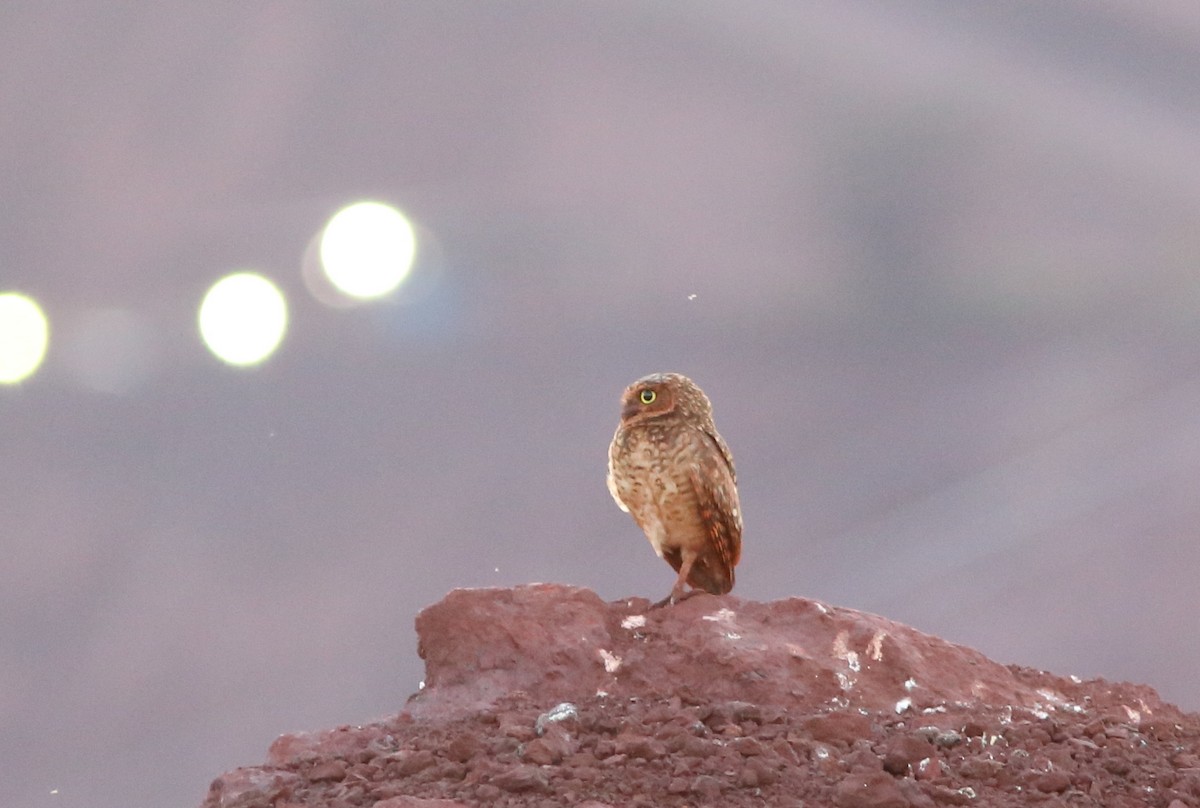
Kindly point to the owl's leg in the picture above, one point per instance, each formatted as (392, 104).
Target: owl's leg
(677, 591)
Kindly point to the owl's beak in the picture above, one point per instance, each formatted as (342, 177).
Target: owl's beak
(631, 408)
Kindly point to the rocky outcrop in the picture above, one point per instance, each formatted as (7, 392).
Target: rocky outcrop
(562, 643)
(547, 695)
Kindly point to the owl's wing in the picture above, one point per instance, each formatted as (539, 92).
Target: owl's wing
(611, 479)
(616, 495)
(716, 438)
(715, 485)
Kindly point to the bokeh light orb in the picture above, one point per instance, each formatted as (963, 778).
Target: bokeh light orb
(243, 318)
(24, 335)
(367, 249)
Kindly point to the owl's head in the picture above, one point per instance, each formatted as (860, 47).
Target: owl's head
(660, 395)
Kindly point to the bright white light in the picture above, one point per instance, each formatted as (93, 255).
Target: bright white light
(243, 318)
(367, 249)
(24, 333)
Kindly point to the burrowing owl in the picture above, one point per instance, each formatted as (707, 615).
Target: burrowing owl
(671, 471)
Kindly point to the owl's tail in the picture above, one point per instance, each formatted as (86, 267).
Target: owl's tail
(709, 574)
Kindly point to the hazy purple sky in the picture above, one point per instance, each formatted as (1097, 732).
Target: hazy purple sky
(936, 264)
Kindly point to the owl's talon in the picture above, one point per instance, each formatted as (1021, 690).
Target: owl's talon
(675, 598)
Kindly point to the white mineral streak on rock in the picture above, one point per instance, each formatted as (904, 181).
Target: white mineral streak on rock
(611, 660)
(875, 646)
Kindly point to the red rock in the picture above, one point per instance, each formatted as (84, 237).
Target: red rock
(844, 728)
(862, 758)
(746, 747)
(343, 742)
(929, 768)
(748, 777)
(538, 754)
(463, 748)
(697, 747)
(1052, 782)
(328, 771)
(450, 771)
(487, 793)
(948, 739)
(545, 695)
(915, 794)
(502, 745)
(980, 768)
(516, 727)
(760, 772)
(1060, 757)
(1160, 729)
(521, 778)
(639, 747)
(605, 747)
(678, 785)
(1083, 743)
(706, 787)
(250, 788)
(944, 795)
(479, 644)
(974, 729)
(875, 790)
(904, 752)
(413, 762)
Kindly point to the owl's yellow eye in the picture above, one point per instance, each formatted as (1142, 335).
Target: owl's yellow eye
(648, 396)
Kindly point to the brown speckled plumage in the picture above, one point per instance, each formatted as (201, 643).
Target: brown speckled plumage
(670, 469)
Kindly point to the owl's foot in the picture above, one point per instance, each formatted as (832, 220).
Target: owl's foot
(676, 596)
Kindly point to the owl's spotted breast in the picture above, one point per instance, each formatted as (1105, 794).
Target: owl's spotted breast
(673, 473)
(652, 483)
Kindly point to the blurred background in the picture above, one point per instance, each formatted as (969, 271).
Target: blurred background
(937, 264)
